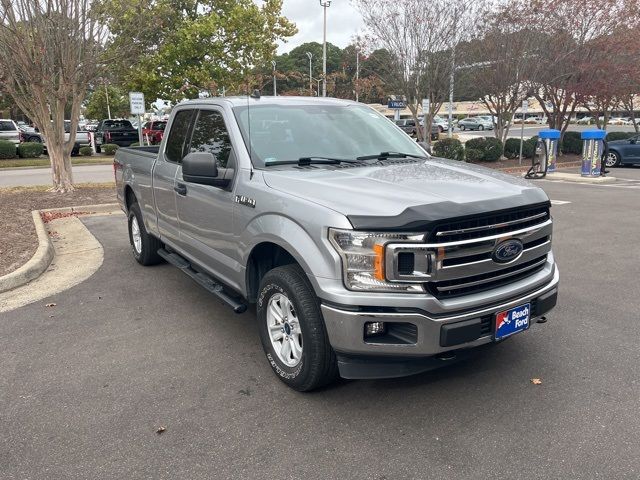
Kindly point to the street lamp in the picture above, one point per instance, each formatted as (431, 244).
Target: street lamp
(273, 62)
(324, 4)
(310, 55)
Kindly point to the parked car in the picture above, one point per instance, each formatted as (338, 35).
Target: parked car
(475, 123)
(154, 131)
(624, 152)
(442, 123)
(82, 137)
(409, 127)
(587, 120)
(364, 256)
(119, 132)
(620, 121)
(9, 131)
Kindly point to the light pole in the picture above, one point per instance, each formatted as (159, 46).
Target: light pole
(357, 73)
(106, 94)
(275, 93)
(324, 4)
(310, 55)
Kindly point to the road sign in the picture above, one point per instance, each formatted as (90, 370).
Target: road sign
(136, 103)
(425, 106)
(525, 106)
(396, 104)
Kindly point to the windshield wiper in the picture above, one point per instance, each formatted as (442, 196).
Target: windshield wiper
(385, 155)
(302, 161)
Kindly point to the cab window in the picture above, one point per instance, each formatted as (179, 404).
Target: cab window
(174, 151)
(210, 135)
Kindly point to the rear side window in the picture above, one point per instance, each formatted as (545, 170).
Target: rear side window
(174, 151)
(210, 135)
(7, 126)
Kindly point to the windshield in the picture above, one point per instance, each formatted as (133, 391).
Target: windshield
(290, 132)
(117, 124)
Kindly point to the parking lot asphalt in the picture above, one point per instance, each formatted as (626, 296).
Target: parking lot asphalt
(85, 384)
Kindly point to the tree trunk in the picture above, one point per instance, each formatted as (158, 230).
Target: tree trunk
(60, 169)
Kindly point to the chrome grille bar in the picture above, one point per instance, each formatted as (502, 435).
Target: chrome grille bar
(491, 227)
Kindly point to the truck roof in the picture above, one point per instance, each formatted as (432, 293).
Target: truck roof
(280, 100)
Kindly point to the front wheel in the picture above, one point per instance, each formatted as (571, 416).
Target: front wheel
(481, 127)
(292, 330)
(462, 127)
(612, 160)
(144, 246)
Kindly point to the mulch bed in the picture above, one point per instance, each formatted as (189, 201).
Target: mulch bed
(18, 241)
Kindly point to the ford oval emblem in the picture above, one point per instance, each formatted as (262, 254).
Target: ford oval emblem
(507, 251)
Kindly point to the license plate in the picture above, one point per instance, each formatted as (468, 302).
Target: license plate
(512, 321)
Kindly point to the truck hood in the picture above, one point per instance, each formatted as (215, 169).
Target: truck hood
(404, 195)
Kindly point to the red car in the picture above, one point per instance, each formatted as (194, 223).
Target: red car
(153, 131)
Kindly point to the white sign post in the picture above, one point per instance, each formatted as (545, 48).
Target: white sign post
(136, 104)
(425, 112)
(525, 108)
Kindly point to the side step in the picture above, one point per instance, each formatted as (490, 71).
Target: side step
(203, 280)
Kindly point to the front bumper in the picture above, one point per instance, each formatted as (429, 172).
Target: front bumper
(345, 328)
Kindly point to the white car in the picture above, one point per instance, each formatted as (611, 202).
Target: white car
(620, 121)
(585, 120)
(9, 131)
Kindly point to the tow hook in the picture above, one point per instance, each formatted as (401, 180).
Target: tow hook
(542, 320)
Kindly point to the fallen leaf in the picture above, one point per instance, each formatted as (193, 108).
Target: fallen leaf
(246, 392)
(50, 304)
(161, 429)
(536, 381)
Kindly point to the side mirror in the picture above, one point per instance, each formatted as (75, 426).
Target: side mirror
(201, 167)
(632, 141)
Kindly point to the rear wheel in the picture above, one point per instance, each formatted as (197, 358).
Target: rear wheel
(97, 148)
(144, 246)
(481, 127)
(462, 127)
(292, 330)
(612, 160)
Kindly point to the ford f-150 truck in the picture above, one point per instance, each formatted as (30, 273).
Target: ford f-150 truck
(365, 256)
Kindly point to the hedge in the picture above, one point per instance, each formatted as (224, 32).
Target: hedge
(86, 151)
(449, 148)
(109, 148)
(571, 143)
(30, 150)
(490, 148)
(7, 149)
(493, 150)
(473, 154)
(619, 135)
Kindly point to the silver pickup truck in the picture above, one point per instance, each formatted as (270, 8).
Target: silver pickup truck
(365, 256)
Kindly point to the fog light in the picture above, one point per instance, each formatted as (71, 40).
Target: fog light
(374, 328)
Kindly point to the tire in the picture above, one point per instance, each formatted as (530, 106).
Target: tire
(440, 129)
(462, 127)
(144, 245)
(97, 148)
(613, 159)
(286, 298)
(481, 127)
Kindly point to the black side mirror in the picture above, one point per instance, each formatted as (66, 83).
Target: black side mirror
(201, 167)
(632, 141)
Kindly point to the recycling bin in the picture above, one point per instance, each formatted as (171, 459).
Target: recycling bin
(593, 146)
(550, 139)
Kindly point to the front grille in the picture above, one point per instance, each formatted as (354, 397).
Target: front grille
(489, 224)
(486, 281)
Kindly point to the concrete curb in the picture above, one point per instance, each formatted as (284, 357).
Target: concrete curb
(577, 178)
(45, 252)
(36, 264)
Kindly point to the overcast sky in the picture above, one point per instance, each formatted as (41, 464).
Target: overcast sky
(343, 22)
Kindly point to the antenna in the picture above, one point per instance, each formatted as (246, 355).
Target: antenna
(249, 130)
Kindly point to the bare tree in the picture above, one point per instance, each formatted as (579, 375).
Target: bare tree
(49, 53)
(417, 34)
(503, 58)
(567, 31)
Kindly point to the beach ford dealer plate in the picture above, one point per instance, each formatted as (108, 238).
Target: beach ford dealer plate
(512, 321)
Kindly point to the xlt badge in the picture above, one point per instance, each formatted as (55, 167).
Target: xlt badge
(246, 201)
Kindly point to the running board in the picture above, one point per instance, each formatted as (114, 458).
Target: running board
(203, 280)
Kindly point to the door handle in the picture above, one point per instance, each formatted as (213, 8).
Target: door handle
(180, 189)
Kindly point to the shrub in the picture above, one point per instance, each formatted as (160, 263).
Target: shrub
(86, 151)
(449, 148)
(477, 143)
(7, 149)
(571, 143)
(494, 149)
(619, 135)
(473, 154)
(30, 150)
(109, 148)
(512, 148)
(529, 147)
(135, 144)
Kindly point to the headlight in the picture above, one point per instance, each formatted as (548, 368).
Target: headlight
(363, 259)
